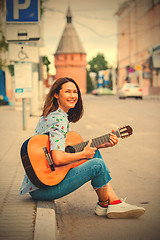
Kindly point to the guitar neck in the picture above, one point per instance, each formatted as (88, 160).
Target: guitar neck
(95, 142)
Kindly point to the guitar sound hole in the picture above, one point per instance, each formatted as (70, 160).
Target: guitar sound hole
(70, 149)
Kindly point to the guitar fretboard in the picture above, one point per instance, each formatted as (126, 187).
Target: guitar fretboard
(95, 142)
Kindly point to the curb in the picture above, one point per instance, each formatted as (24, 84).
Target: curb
(45, 225)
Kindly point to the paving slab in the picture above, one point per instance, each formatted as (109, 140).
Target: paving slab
(18, 213)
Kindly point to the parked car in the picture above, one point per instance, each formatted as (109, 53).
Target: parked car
(102, 91)
(130, 90)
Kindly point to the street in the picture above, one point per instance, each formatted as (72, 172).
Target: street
(134, 164)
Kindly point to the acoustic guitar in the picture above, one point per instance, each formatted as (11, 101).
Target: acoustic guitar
(39, 165)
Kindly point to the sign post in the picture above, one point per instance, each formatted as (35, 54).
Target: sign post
(23, 85)
(22, 26)
(106, 77)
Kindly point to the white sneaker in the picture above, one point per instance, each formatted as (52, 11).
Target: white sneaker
(100, 211)
(124, 210)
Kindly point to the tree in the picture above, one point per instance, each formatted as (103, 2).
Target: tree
(98, 63)
(89, 83)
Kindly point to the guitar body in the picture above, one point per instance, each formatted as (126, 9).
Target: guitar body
(35, 162)
(38, 163)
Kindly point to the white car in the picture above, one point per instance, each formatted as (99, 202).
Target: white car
(130, 90)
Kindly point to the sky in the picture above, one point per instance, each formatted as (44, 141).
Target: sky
(94, 21)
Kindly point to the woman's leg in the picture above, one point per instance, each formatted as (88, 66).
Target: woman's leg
(94, 170)
(106, 193)
(109, 204)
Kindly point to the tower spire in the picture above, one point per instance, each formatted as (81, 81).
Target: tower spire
(69, 42)
(69, 15)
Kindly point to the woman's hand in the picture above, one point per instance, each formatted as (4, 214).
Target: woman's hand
(89, 151)
(113, 140)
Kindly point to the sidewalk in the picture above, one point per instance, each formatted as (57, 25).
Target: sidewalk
(20, 216)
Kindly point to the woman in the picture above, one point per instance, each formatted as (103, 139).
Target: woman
(63, 105)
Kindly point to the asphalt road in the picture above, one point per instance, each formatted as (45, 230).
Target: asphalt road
(134, 164)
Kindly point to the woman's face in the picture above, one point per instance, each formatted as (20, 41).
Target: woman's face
(67, 97)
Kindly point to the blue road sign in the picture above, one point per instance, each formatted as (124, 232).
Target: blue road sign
(22, 10)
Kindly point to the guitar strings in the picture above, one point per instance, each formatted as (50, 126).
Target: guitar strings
(95, 142)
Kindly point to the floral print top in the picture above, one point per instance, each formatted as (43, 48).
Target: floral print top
(57, 125)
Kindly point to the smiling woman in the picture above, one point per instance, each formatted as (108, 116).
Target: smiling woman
(67, 97)
(61, 92)
(63, 105)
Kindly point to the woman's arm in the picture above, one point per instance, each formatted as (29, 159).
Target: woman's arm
(63, 158)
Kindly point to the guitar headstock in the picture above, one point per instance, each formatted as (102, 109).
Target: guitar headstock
(125, 131)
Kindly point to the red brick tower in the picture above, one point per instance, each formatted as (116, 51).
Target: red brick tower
(70, 57)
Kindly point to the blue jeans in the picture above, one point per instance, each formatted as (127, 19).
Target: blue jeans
(93, 170)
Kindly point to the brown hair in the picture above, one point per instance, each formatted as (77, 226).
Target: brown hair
(51, 104)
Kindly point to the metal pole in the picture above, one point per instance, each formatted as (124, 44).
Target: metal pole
(35, 89)
(24, 113)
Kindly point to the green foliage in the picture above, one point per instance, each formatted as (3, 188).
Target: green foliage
(42, 7)
(46, 62)
(3, 44)
(3, 48)
(11, 69)
(89, 83)
(2, 64)
(98, 63)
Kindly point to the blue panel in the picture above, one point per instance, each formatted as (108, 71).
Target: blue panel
(29, 14)
(2, 83)
(100, 84)
(3, 86)
(100, 77)
(106, 82)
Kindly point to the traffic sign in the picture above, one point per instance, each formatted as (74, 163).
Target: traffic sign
(23, 80)
(20, 32)
(23, 53)
(22, 11)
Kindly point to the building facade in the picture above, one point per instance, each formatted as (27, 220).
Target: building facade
(139, 44)
(70, 57)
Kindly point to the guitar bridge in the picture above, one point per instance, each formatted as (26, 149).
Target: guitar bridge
(49, 159)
